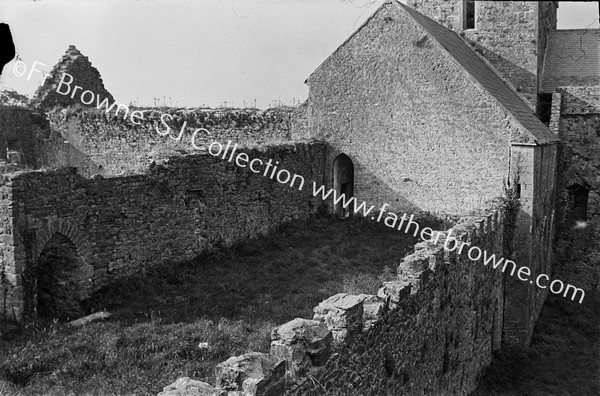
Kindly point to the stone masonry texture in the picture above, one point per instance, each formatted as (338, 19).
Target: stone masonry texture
(84, 75)
(438, 338)
(511, 35)
(579, 129)
(116, 146)
(534, 173)
(124, 225)
(422, 134)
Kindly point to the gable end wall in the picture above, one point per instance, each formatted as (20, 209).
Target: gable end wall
(400, 107)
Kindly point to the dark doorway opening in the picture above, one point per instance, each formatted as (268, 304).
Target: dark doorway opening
(544, 107)
(578, 202)
(60, 284)
(343, 183)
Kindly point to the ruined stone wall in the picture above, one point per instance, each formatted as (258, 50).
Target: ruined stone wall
(506, 34)
(76, 69)
(117, 146)
(431, 330)
(122, 226)
(402, 109)
(8, 278)
(579, 128)
(18, 127)
(543, 224)
(28, 142)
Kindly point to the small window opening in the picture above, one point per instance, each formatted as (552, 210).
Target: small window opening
(469, 14)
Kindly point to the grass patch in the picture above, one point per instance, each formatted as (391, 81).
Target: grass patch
(563, 358)
(230, 299)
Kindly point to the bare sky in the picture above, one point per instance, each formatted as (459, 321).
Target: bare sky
(195, 52)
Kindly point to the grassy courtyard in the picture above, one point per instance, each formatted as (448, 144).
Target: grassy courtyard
(230, 300)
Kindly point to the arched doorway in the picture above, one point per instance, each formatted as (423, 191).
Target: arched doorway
(60, 280)
(343, 183)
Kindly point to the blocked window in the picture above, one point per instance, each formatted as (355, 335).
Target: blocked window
(468, 14)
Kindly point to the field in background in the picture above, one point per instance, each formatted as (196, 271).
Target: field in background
(230, 300)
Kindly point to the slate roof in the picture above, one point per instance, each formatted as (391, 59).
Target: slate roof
(572, 59)
(486, 76)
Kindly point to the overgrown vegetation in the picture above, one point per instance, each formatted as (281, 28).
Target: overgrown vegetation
(230, 300)
(10, 97)
(511, 206)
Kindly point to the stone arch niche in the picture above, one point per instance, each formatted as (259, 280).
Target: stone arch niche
(60, 280)
(62, 274)
(343, 183)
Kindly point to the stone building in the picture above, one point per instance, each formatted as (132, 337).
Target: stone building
(438, 106)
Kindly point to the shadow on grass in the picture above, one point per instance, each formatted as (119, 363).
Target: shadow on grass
(229, 300)
(274, 278)
(563, 358)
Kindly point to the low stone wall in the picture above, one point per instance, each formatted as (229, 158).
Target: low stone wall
(122, 226)
(430, 331)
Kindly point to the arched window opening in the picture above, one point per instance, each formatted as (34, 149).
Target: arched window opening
(343, 183)
(60, 284)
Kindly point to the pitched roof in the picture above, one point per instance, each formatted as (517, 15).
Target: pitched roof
(487, 77)
(572, 59)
